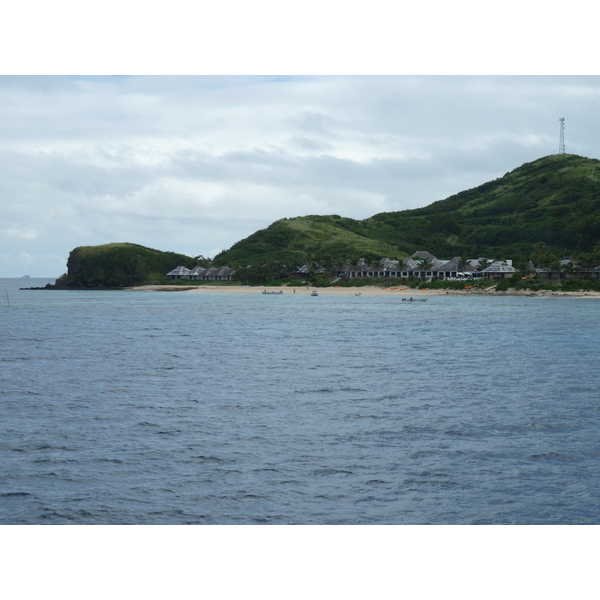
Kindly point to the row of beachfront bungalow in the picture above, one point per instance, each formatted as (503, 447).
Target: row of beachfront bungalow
(424, 265)
(201, 274)
(421, 264)
(577, 272)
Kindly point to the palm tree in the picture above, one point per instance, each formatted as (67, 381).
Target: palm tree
(570, 268)
(587, 260)
(554, 266)
(483, 263)
(520, 264)
(463, 262)
(327, 263)
(424, 264)
(203, 261)
(541, 255)
(356, 264)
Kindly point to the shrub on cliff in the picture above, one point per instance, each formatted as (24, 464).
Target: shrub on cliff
(119, 265)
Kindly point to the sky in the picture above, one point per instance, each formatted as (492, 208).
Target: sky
(193, 164)
(238, 114)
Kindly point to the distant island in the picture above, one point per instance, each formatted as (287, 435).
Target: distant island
(544, 214)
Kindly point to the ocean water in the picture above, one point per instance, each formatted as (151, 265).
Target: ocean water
(175, 408)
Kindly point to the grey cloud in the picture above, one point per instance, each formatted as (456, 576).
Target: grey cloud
(305, 143)
(196, 163)
(312, 121)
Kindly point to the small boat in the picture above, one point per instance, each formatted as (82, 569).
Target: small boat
(314, 293)
(270, 293)
(414, 299)
(357, 294)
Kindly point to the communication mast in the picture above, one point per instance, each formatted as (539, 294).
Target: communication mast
(561, 145)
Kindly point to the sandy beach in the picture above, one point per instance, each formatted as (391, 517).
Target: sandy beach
(400, 291)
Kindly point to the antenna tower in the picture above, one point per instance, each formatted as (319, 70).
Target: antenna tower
(561, 145)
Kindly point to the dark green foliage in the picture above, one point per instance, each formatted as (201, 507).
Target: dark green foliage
(554, 200)
(573, 285)
(119, 265)
(326, 240)
(503, 286)
(275, 243)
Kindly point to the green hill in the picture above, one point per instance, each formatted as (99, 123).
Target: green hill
(554, 201)
(546, 209)
(304, 239)
(118, 265)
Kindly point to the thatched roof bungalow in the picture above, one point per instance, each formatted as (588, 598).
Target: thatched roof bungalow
(201, 273)
(499, 270)
(179, 273)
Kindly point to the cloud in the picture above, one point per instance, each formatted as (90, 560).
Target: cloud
(23, 234)
(193, 164)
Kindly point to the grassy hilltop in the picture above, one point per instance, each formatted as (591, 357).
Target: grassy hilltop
(554, 200)
(300, 239)
(118, 265)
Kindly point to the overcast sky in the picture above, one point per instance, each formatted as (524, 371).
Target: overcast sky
(194, 164)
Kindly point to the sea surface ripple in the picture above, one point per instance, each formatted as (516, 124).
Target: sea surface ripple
(157, 408)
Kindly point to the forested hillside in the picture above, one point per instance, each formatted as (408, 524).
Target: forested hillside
(540, 211)
(117, 265)
(551, 203)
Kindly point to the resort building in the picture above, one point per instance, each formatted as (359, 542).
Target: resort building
(499, 270)
(569, 269)
(201, 274)
(421, 265)
(179, 273)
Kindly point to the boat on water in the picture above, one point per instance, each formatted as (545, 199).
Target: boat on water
(314, 293)
(414, 299)
(271, 293)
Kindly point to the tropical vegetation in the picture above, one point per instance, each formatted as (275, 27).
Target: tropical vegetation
(540, 212)
(119, 265)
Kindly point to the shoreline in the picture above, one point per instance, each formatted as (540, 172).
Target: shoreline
(400, 291)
